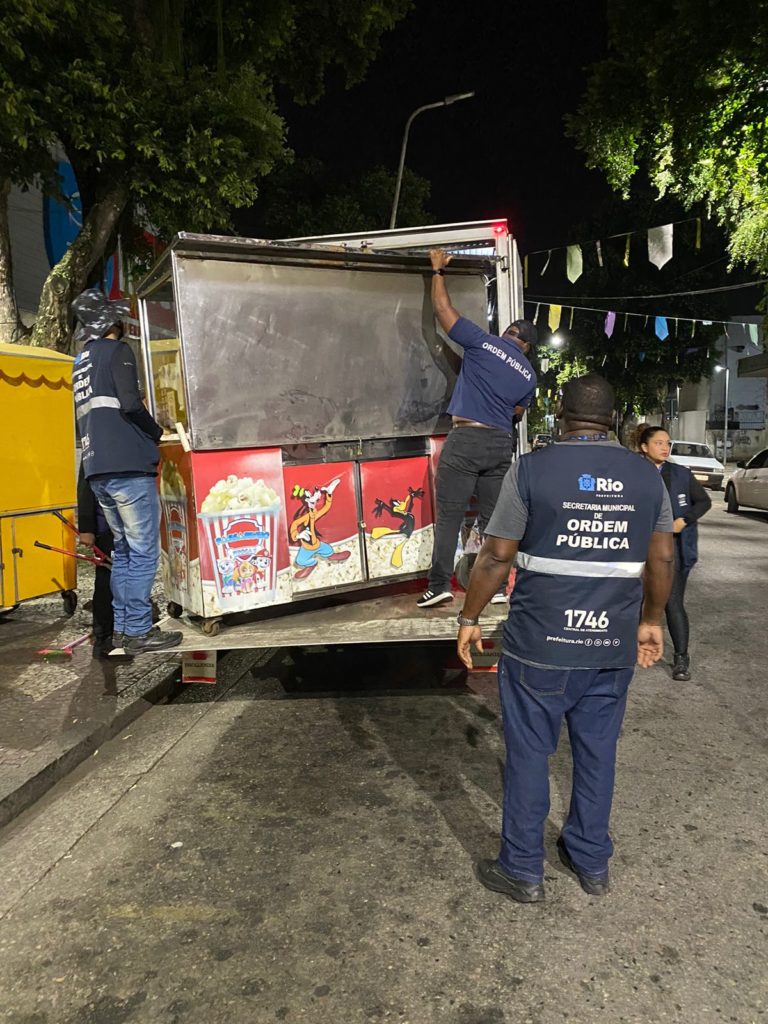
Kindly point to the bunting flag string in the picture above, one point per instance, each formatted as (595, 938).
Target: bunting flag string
(661, 324)
(660, 247)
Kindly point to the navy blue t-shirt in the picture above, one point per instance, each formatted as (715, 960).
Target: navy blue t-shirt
(495, 377)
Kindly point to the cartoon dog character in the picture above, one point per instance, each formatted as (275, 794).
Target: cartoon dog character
(315, 503)
(226, 568)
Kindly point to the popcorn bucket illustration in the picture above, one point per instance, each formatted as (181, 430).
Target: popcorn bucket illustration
(242, 548)
(176, 534)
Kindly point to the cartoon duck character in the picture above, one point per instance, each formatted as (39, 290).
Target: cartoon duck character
(402, 509)
(315, 503)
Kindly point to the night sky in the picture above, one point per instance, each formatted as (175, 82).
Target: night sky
(503, 153)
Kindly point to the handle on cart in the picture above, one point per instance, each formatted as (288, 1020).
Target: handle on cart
(97, 551)
(73, 554)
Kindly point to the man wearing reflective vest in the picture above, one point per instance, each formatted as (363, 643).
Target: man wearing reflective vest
(119, 459)
(590, 524)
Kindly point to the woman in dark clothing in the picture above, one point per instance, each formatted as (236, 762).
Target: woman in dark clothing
(689, 503)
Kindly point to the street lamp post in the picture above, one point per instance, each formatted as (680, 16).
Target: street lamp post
(419, 110)
(725, 410)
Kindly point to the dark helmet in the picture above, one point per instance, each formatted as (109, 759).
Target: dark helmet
(96, 314)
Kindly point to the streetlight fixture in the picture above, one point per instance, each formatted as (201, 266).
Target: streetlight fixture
(419, 110)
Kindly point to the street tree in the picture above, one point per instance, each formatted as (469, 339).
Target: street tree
(166, 111)
(684, 93)
(308, 197)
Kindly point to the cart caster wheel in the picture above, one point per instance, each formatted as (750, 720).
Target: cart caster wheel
(69, 597)
(175, 611)
(211, 627)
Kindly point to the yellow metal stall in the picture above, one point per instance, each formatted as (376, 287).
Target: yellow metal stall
(37, 475)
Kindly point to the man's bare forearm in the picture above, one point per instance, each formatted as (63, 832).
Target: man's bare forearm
(441, 303)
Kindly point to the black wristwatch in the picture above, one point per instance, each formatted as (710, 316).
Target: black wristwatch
(463, 621)
(440, 272)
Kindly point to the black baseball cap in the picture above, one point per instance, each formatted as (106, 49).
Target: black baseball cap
(525, 330)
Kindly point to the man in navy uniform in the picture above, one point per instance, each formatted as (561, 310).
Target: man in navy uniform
(120, 457)
(495, 386)
(590, 524)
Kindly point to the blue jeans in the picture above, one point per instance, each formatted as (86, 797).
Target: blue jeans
(132, 509)
(534, 702)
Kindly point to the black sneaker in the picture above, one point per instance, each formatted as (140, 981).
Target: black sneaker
(432, 597)
(117, 639)
(495, 878)
(681, 669)
(590, 884)
(155, 640)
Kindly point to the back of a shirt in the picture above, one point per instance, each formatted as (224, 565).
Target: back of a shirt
(584, 513)
(495, 377)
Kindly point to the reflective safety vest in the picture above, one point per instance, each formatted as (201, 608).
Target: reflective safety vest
(111, 442)
(592, 508)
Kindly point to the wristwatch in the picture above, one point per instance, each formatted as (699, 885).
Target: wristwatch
(463, 621)
(440, 272)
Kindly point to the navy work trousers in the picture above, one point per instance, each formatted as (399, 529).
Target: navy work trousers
(534, 702)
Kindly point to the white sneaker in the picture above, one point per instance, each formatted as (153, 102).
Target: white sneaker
(500, 597)
(432, 597)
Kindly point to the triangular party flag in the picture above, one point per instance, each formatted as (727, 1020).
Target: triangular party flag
(626, 251)
(546, 265)
(662, 331)
(698, 232)
(574, 263)
(599, 250)
(753, 333)
(693, 327)
(677, 323)
(707, 323)
(525, 272)
(610, 323)
(660, 245)
(642, 356)
(570, 322)
(626, 320)
(536, 314)
(626, 357)
(605, 357)
(555, 312)
(646, 320)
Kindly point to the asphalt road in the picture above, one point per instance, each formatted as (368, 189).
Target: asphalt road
(300, 848)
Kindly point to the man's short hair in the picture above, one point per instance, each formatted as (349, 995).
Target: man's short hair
(589, 399)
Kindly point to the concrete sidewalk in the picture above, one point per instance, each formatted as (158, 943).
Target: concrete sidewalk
(55, 713)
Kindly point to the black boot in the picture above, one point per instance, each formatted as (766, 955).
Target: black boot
(102, 645)
(681, 669)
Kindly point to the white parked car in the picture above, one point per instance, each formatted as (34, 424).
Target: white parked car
(749, 483)
(699, 459)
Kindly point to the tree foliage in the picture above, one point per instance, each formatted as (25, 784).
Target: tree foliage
(165, 108)
(309, 198)
(684, 91)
